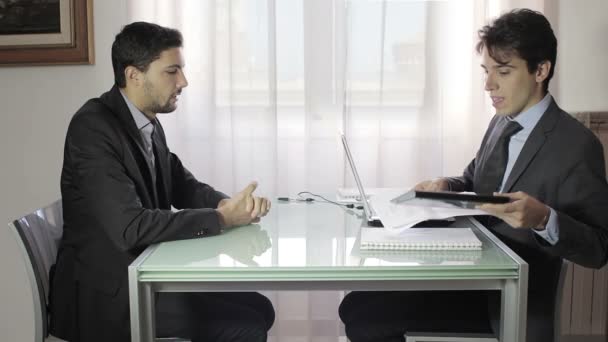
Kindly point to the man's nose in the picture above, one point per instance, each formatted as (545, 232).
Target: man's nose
(490, 83)
(182, 82)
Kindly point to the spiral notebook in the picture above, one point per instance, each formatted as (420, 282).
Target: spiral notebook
(420, 239)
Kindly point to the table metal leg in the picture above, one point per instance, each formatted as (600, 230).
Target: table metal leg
(141, 306)
(134, 307)
(513, 311)
(141, 301)
(148, 319)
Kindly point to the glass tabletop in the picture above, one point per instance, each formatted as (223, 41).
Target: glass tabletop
(315, 241)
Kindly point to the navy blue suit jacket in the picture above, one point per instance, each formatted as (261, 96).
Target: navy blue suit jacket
(112, 211)
(562, 165)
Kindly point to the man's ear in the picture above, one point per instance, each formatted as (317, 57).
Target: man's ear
(133, 75)
(542, 72)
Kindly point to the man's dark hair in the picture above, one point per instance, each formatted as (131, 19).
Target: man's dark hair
(524, 32)
(139, 44)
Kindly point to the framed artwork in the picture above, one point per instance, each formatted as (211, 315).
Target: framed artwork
(46, 32)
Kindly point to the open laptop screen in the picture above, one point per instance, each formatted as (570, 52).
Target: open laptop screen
(366, 206)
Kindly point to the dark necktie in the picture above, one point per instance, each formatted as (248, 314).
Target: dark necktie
(157, 171)
(148, 135)
(496, 163)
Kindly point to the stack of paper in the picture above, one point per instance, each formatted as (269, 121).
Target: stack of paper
(399, 217)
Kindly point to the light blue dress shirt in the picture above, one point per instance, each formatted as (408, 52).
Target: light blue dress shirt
(528, 120)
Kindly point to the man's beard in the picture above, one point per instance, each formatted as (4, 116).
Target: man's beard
(155, 106)
(160, 108)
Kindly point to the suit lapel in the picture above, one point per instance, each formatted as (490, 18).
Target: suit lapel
(115, 102)
(533, 144)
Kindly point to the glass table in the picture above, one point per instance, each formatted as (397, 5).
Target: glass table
(314, 246)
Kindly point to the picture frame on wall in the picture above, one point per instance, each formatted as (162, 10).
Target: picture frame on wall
(46, 32)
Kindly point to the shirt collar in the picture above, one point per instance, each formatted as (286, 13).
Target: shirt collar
(530, 117)
(141, 120)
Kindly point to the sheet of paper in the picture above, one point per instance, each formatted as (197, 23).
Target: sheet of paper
(399, 217)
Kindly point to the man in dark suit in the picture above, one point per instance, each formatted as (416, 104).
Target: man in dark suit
(550, 166)
(118, 184)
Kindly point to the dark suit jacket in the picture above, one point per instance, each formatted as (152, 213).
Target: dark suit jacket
(112, 212)
(562, 165)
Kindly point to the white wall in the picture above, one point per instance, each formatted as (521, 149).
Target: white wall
(37, 104)
(582, 60)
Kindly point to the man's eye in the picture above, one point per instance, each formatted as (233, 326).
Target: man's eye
(172, 71)
(503, 73)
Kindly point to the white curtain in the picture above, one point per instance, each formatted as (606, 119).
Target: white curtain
(272, 82)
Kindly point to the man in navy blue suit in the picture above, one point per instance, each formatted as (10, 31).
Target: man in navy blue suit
(551, 167)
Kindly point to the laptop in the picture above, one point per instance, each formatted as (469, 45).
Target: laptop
(371, 216)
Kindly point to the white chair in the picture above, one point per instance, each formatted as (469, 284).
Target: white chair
(473, 337)
(38, 235)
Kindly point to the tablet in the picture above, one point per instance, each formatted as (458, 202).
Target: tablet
(460, 199)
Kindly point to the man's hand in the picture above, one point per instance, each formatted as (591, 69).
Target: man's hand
(439, 184)
(524, 211)
(243, 208)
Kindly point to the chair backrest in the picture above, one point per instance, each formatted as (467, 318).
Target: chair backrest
(38, 235)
